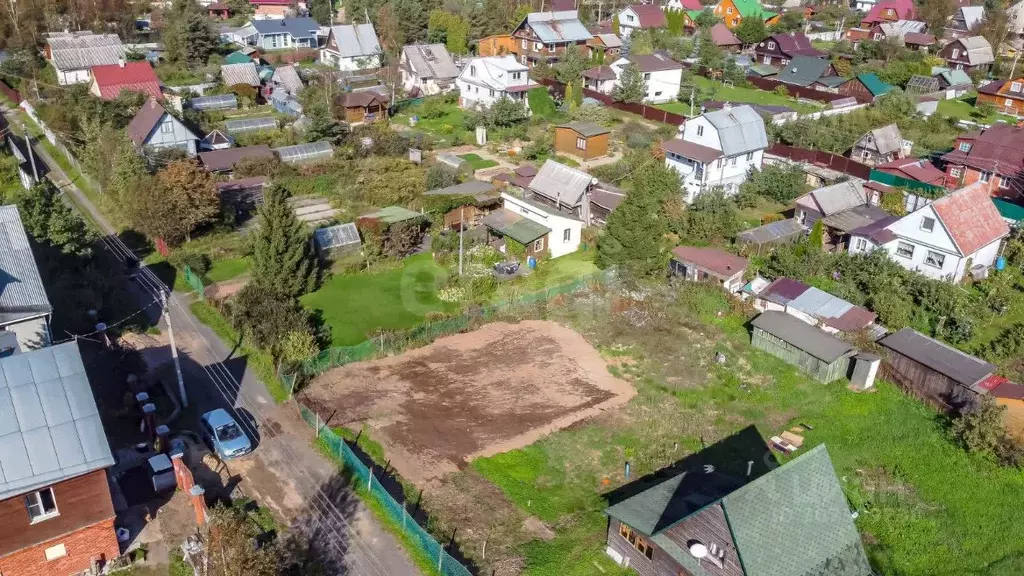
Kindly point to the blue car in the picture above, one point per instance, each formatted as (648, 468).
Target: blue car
(223, 435)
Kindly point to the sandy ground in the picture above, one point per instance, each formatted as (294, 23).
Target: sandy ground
(470, 395)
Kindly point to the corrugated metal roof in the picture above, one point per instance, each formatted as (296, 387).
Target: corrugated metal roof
(772, 232)
(938, 356)
(21, 289)
(740, 129)
(837, 197)
(244, 73)
(561, 183)
(80, 50)
(856, 217)
(831, 310)
(295, 27)
(803, 336)
(288, 78)
(356, 40)
(516, 227)
(552, 27)
(50, 429)
(431, 61)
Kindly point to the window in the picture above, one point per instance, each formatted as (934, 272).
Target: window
(567, 235)
(644, 548)
(41, 505)
(551, 47)
(905, 250)
(878, 36)
(472, 70)
(985, 176)
(54, 552)
(750, 156)
(767, 60)
(861, 244)
(658, 93)
(959, 66)
(728, 10)
(965, 146)
(890, 12)
(517, 75)
(934, 259)
(956, 172)
(1008, 102)
(647, 76)
(700, 130)
(524, 44)
(537, 46)
(771, 45)
(927, 224)
(735, 21)
(956, 53)
(719, 163)
(1004, 182)
(627, 533)
(865, 154)
(581, 143)
(167, 127)
(538, 245)
(1015, 86)
(492, 93)
(629, 18)
(732, 161)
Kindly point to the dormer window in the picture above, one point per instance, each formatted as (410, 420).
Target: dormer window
(1014, 86)
(629, 18)
(965, 147)
(927, 224)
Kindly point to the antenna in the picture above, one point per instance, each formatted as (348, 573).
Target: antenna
(698, 550)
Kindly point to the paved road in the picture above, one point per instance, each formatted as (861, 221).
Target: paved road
(285, 472)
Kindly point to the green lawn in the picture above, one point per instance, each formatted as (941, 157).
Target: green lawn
(227, 269)
(447, 127)
(752, 217)
(963, 107)
(737, 94)
(477, 162)
(554, 272)
(354, 305)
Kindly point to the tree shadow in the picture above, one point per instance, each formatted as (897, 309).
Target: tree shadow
(320, 543)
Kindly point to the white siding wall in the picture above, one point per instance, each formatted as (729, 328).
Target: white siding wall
(171, 133)
(626, 26)
(348, 64)
(663, 86)
(558, 224)
(727, 173)
(66, 77)
(700, 131)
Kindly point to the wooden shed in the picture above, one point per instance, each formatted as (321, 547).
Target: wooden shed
(701, 264)
(585, 140)
(364, 106)
(469, 203)
(823, 356)
(936, 372)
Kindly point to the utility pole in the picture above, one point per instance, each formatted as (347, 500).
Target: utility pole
(692, 90)
(174, 349)
(462, 229)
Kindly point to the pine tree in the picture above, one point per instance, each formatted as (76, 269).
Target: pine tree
(569, 97)
(634, 237)
(282, 258)
(632, 88)
(615, 25)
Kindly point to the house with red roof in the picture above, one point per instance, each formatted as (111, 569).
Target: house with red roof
(700, 264)
(889, 11)
(993, 157)
(641, 17)
(914, 169)
(940, 240)
(109, 80)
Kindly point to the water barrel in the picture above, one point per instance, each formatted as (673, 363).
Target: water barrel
(1001, 263)
(531, 262)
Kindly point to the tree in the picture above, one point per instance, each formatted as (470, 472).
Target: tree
(282, 258)
(182, 197)
(506, 112)
(412, 20)
(632, 88)
(935, 13)
(265, 316)
(130, 171)
(569, 95)
(450, 29)
(48, 220)
(296, 346)
(816, 239)
(577, 93)
(189, 36)
(711, 218)
(982, 429)
(781, 183)
(229, 546)
(634, 237)
(751, 30)
(389, 31)
(641, 42)
(320, 10)
(571, 65)
(615, 26)
(706, 19)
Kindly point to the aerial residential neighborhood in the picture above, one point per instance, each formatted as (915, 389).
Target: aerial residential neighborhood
(400, 288)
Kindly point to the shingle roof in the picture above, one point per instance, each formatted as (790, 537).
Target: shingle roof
(650, 15)
(722, 36)
(431, 61)
(111, 79)
(516, 227)
(50, 428)
(144, 121)
(587, 129)
(830, 310)
(691, 150)
(600, 73)
(971, 218)
(358, 40)
(904, 10)
(796, 44)
(296, 27)
(561, 183)
(21, 293)
(803, 71)
(654, 62)
(803, 336)
(81, 50)
(363, 98)
(938, 356)
(718, 261)
(564, 26)
(740, 129)
(998, 149)
(219, 160)
(244, 73)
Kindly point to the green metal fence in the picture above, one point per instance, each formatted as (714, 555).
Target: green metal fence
(194, 282)
(929, 190)
(426, 543)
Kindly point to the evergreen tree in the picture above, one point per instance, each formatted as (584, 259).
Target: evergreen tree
(615, 25)
(634, 238)
(412, 20)
(632, 88)
(282, 258)
(751, 30)
(189, 36)
(48, 220)
(816, 239)
(320, 10)
(571, 65)
(577, 94)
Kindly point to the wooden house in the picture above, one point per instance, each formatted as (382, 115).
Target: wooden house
(972, 54)
(497, 45)
(821, 355)
(865, 86)
(475, 200)
(1006, 95)
(1011, 395)
(364, 106)
(698, 264)
(585, 140)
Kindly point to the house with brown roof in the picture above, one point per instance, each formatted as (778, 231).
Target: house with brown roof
(604, 47)
(641, 17)
(941, 239)
(724, 38)
(914, 169)
(1006, 95)
(993, 157)
(223, 161)
(155, 128)
(600, 79)
(544, 36)
(364, 106)
(889, 11)
(779, 49)
(662, 75)
(700, 264)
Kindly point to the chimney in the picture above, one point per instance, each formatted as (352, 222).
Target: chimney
(149, 417)
(196, 494)
(120, 62)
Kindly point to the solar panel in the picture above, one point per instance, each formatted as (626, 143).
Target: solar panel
(305, 152)
(336, 236)
(218, 102)
(250, 125)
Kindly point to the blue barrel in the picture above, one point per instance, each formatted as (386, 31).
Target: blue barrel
(1001, 263)
(531, 262)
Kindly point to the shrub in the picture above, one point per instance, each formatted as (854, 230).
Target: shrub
(199, 263)
(433, 108)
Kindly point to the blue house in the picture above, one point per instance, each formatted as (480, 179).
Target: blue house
(278, 34)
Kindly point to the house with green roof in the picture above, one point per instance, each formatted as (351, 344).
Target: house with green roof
(865, 86)
(707, 521)
(732, 12)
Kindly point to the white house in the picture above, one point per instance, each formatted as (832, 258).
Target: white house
(564, 231)
(351, 47)
(641, 17)
(427, 69)
(73, 54)
(156, 128)
(1015, 15)
(662, 75)
(280, 33)
(600, 79)
(940, 239)
(484, 81)
(717, 149)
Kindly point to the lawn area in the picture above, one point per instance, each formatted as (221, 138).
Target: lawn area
(477, 162)
(354, 305)
(961, 109)
(552, 273)
(447, 127)
(229, 268)
(737, 94)
(752, 217)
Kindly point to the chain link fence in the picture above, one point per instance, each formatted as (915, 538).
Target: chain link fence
(397, 513)
(195, 282)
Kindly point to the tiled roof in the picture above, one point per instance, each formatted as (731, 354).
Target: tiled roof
(718, 261)
(111, 79)
(998, 149)
(904, 10)
(650, 15)
(971, 218)
(796, 44)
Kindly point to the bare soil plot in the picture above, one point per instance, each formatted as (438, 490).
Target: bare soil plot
(471, 395)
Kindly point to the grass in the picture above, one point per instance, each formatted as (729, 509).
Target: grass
(259, 361)
(752, 217)
(553, 273)
(737, 94)
(227, 269)
(477, 162)
(447, 127)
(963, 108)
(355, 305)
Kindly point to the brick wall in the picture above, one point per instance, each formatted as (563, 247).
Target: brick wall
(97, 541)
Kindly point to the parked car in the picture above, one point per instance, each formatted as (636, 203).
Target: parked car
(223, 435)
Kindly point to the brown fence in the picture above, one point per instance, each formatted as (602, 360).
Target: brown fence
(290, 56)
(826, 159)
(770, 85)
(648, 112)
(10, 93)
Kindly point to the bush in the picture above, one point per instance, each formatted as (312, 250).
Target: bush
(433, 108)
(982, 430)
(199, 263)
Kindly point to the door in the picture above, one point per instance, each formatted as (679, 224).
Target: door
(768, 60)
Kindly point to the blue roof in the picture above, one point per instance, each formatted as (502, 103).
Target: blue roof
(296, 27)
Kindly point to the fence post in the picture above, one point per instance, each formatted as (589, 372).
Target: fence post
(316, 415)
(369, 481)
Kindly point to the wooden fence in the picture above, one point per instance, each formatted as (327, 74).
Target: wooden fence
(10, 93)
(826, 159)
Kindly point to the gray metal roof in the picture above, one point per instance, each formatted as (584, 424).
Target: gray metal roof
(772, 232)
(431, 61)
(854, 218)
(288, 78)
(244, 73)
(356, 40)
(564, 26)
(837, 197)
(811, 340)
(80, 50)
(296, 27)
(886, 139)
(942, 358)
(50, 429)
(587, 129)
(979, 51)
(561, 183)
(740, 128)
(21, 289)
(336, 236)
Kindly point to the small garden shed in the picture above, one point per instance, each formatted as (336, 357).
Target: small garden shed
(823, 356)
(583, 139)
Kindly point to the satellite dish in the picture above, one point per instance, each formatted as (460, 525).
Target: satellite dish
(698, 550)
